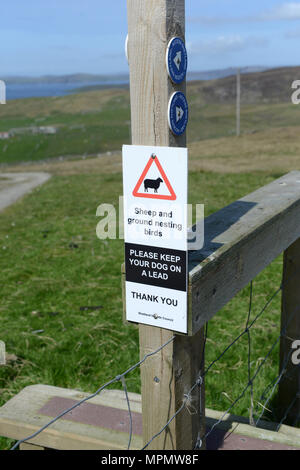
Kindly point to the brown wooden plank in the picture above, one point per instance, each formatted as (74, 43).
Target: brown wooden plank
(20, 417)
(106, 417)
(25, 446)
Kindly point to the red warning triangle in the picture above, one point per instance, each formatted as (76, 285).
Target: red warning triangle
(153, 184)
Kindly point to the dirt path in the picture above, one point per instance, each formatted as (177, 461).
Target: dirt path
(15, 185)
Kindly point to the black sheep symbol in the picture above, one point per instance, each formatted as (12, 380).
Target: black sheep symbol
(153, 184)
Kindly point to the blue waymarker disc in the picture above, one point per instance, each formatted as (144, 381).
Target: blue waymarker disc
(178, 113)
(176, 60)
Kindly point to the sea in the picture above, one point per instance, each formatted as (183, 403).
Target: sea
(43, 89)
(38, 90)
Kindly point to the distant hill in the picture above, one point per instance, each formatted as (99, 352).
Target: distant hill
(74, 78)
(269, 86)
(222, 73)
(258, 85)
(91, 78)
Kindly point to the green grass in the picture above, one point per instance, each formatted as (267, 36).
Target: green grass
(77, 134)
(52, 265)
(98, 121)
(219, 120)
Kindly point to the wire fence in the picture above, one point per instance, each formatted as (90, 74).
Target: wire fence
(271, 388)
(256, 413)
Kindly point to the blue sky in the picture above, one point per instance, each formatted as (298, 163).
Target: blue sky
(70, 36)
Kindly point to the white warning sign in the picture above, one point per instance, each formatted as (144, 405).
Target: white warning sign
(155, 228)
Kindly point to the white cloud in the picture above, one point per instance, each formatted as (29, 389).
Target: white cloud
(218, 45)
(225, 44)
(286, 11)
(289, 11)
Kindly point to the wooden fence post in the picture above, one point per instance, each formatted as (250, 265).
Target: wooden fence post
(289, 386)
(168, 375)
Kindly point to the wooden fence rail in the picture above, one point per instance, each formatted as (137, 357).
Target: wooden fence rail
(240, 241)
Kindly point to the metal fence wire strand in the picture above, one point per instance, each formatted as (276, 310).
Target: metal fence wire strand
(129, 411)
(186, 398)
(273, 385)
(199, 382)
(249, 355)
(287, 412)
(283, 371)
(251, 378)
(118, 378)
(246, 330)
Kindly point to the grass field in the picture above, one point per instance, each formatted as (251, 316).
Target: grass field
(60, 287)
(52, 266)
(95, 122)
(92, 124)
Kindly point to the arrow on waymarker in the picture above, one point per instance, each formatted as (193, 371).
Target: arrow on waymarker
(177, 59)
(179, 113)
